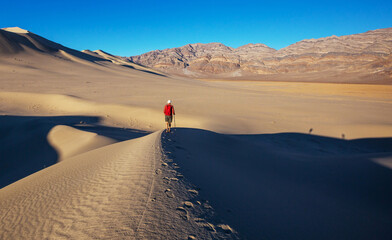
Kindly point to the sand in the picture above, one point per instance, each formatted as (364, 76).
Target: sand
(68, 141)
(113, 192)
(83, 155)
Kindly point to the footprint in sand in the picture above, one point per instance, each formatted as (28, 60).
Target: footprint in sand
(164, 164)
(183, 213)
(188, 204)
(170, 179)
(158, 171)
(210, 227)
(166, 178)
(191, 237)
(203, 223)
(198, 220)
(226, 228)
(206, 205)
(193, 191)
(169, 193)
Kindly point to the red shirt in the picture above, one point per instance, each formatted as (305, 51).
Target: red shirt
(169, 110)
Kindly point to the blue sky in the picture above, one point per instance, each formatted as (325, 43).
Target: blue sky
(129, 28)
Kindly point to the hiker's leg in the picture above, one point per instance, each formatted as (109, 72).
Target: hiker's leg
(167, 126)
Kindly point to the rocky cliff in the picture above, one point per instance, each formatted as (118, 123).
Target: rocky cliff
(365, 57)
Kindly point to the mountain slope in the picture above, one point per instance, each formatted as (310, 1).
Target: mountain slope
(358, 58)
(213, 58)
(371, 42)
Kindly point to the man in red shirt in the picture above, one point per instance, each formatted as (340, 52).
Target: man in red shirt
(169, 112)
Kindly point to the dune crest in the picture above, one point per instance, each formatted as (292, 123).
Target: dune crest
(69, 141)
(124, 190)
(194, 183)
(15, 30)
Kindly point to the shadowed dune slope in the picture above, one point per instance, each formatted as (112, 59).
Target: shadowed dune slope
(121, 191)
(199, 183)
(29, 144)
(290, 186)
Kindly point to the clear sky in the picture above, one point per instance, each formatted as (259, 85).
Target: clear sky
(133, 27)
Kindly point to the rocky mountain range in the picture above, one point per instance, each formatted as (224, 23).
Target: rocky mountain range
(358, 58)
(365, 57)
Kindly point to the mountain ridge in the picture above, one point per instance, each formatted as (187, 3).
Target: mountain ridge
(361, 54)
(358, 58)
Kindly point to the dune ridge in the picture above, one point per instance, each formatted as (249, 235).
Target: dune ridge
(15, 30)
(119, 191)
(69, 141)
(194, 183)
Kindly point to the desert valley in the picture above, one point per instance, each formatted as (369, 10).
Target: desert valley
(294, 143)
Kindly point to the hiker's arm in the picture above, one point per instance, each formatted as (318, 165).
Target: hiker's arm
(174, 112)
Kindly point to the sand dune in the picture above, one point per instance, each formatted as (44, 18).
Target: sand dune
(31, 143)
(16, 40)
(115, 192)
(110, 114)
(15, 30)
(208, 185)
(290, 186)
(69, 141)
(122, 61)
(83, 156)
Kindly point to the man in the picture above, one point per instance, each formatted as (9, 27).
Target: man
(169, 112)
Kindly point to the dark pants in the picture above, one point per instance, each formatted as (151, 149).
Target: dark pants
(169, 119)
